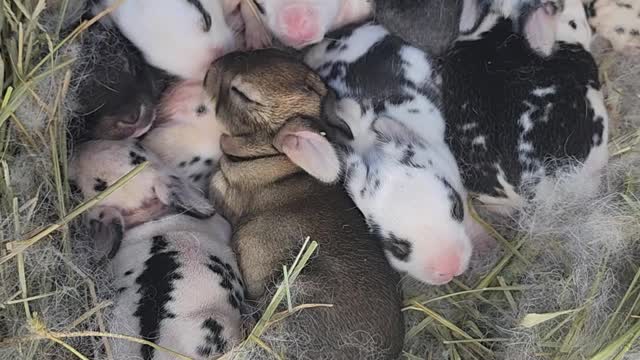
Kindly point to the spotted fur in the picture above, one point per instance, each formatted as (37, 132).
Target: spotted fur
(187, 134)
(170, 297)
(619, 22)
(512, 112)
(155, 192)
(397, 157)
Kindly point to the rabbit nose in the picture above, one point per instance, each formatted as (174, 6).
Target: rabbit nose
(446, 267)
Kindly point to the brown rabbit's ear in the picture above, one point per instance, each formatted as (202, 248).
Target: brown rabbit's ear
(308, 148)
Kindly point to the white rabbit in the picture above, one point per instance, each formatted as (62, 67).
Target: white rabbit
(181, 37)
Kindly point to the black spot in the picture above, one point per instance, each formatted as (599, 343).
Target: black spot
(197, 177)
(182, 164)
(233, 300)
(194, 160)
(634, 32)
(204, 351)
(399, 248)
(407, 158)
(121, 290)
(159, 244)
(136, 159)
(457, 208)
(598, 131)
(413, 111)
(100, 185)
(619, 29)
(216, 269)
(202, 109)
(213, 338)
(138, 145)
(208, 162)
(156, 286)
(228, 277)
(226, 283)
(239, 295)
(573, 24)
(128, 272)
(624, 5)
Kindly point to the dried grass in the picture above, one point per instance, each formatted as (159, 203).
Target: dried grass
(566, 284)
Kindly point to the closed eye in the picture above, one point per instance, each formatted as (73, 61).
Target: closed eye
(243, 96)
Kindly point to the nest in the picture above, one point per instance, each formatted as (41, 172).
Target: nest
(565, 284)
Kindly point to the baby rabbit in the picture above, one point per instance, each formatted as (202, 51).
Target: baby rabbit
(181, 37)
(270, 186)
(516, 98)
(177, 281)
(186, 134)
(298, 23)
(399, 169)
(618, 22)
(115, 89)
(156, 192)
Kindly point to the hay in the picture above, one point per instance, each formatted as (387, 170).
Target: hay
(572, 293)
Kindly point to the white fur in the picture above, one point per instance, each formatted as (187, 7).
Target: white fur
(618, 24)
(109, 161)
(410, 203)
(573, 13)
(187, 128)
(149, 195)
(599, 155)
(170, 33)
(196, 296)
(399, 199)
(542, 30)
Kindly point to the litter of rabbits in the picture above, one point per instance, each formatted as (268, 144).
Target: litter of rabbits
(563, 281)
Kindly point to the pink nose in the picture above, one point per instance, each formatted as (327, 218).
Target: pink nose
(446, 267)
(300, 23)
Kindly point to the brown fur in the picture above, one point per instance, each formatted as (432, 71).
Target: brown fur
(274, 205)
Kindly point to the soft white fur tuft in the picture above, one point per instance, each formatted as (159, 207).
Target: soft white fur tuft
(171, 34)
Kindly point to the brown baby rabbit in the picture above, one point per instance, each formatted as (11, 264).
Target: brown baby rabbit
(277, 186)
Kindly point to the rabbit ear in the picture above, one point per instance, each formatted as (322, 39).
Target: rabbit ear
(309, 149)
(540, 28)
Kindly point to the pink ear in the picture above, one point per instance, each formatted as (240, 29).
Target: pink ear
(310, 151)
(540, 30)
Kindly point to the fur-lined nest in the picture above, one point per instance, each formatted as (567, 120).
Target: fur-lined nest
(566, 284)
